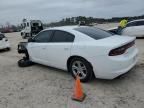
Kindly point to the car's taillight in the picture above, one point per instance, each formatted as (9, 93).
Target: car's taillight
(121, 50)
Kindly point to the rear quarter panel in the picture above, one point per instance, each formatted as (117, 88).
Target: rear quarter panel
(88, 51)
(87, 47)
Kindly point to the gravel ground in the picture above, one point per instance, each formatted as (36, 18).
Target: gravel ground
(40, 86)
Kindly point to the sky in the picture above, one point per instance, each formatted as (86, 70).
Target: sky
(14, 11)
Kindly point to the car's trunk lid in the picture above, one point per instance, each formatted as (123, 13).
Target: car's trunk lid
(116, 41)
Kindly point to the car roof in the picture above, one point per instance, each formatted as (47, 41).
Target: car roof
(136, 20)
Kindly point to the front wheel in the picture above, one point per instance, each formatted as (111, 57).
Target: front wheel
(8, 49)
(82, 68)
(24, 62)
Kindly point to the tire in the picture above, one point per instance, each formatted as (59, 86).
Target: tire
(8, 49)
(24, 63)
(87, 69)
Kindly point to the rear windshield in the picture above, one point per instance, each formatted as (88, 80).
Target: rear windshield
(93, 32)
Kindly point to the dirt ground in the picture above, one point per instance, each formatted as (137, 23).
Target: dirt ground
(40, 86)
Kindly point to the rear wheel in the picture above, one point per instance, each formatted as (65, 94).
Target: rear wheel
(82, 68)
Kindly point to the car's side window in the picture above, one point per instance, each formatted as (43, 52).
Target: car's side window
(140, 23)
(131, 24)
(43, 36)
(62, 36)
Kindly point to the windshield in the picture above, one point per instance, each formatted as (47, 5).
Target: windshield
(94, 33)
(35, 24)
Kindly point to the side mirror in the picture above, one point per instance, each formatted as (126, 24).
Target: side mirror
(31, 40)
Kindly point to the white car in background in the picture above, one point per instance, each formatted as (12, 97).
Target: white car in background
(82, 50)
(133, 28)
(4, 43)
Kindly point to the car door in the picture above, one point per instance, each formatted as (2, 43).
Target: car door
(37, 48)
(58, 50)
(129, 29)
(139, 29)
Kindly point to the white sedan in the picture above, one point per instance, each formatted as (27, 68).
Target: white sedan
(82, 50)
(134, 28)
(4, 43)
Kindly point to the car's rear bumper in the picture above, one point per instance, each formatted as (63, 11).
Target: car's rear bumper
(112, 68)
(114, 74)
(5, 45)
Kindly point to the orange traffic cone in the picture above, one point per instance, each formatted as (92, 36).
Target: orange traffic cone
(78, 92)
